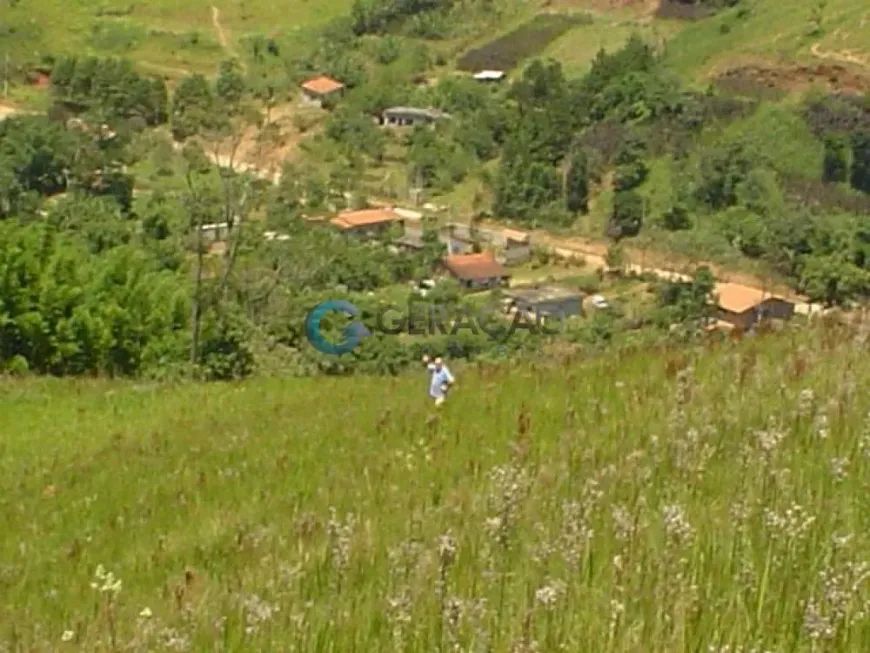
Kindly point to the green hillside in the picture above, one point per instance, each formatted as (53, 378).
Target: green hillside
(798, 31)
(163, 37)
(180, 470)
(684, 499)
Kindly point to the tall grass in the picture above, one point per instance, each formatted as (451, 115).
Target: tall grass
(671, 500)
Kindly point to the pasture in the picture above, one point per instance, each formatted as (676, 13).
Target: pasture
(164, 37)
(700, 499)
(776, 33)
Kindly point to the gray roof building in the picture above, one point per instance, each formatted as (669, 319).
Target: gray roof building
(550, 300)
(411, 115)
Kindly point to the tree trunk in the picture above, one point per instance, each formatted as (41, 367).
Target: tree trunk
(196, 309)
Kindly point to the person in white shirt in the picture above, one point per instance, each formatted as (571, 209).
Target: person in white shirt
(440, 379)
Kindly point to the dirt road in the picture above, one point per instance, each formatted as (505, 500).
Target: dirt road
(661, 265)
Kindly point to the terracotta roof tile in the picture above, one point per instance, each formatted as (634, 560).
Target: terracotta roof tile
(322, 85)
(736, 298)
(365, 217)
(475, 266)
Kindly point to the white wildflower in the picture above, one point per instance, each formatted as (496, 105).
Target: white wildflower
(447, 549)
(677, 525)
(549, 595)
(105, 581)
(839, 468)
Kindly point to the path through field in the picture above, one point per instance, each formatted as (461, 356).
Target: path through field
(222, 37)
(842, 56)
(216, 21)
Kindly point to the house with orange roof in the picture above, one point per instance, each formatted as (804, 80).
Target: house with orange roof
(476, 271)
(742, 307)
(319, 88)
(367, 223)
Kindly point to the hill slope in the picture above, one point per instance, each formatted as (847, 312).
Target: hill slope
(163, 37)
(618, 500)
(776, 33)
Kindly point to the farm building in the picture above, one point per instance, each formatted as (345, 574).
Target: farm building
(743, 307)
(367, 223)
(476, 271)
(489, 76)
(317, 89)
(548, 301)
(406, 116)
(517, 247)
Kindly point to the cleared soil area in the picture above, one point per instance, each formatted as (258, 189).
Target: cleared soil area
(754, 79)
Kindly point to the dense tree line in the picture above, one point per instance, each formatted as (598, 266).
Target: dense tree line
(111, 86)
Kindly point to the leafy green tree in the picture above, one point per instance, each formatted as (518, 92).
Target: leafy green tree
(631, 170)
(760, 192)
(835, 167)
(860, 177)
(226, 353)
(356, 133)
(833, 279)
(111, 86)
(722, 170)
(627, 216)
(523, 187)
(687, 300)
(36, 154)
(747, 231)
(577, 183)
(193, 107)
(230, 86)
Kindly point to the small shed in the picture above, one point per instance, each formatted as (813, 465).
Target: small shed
(489, 76)
(408, 116)
(317, 89)
(554, 301)
(476, 271)
(367, 223)
(743, 307)
(517, 246)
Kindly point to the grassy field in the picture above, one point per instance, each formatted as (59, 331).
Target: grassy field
(775, 32)
(576, 49)
(165, 37)
(615, 504)
(171, 39)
